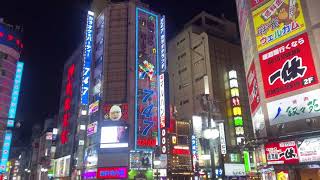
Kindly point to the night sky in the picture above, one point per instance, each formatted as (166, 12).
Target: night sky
(52, 31)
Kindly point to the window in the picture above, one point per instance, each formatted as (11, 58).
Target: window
(197, 45)
(3, 72)
(182, 70)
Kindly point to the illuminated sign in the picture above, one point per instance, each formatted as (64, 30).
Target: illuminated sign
(114, 137)
(116, 112)
(5, 150)
(49, 136)
(253, 90)
(223, 145)
(181, 151)
(140, 160)
(194, 148)
(147, 128)
(288, 67)
(285, 152)
(87, 59)
(234, 169)
(174, 139)
(276, 21)
(236, 107)
(10, 38)
(163, 53)
(15, 95)
(258, 124)
(67, 104)
(309, 150)
(162, 116)
(94, 107)
(293, 108)
(92, 128)
(112, 173)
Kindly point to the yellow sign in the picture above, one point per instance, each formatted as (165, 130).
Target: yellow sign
(276, 21)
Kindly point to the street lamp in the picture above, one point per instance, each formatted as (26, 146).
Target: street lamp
(156, 164)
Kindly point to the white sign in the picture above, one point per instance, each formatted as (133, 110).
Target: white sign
(302, 106)
(222, 139)
(258, 123)
(309, 150)
(234, 170)
(162, 102)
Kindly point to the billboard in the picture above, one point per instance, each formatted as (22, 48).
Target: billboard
(112, 173)
(147, 81)
(163, 46)
(140, 160)
(285, 152)
(5, 150)
(288, 67)
(92, 128)
(309, 150)
(91, 156)
(114, 137)
(116, 112)
(256, 2)
(87, 56)
(242, 12)
(94, 107)
(10, 38)
(234, 169)
(62, 166)
(15, 95)
(258, 124)
(293, 108)
(253, 89)
(276, 21)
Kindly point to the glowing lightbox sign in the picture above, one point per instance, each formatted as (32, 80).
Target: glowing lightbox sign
(87, 56)
(147, 127)
(15, 94)
(163, 49)
(5, 150)
(194, 150)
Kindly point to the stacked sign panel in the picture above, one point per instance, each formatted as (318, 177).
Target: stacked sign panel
(147, 73)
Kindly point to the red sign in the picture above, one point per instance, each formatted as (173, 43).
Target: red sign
(67, 105)
(147, 142)
(253, 90)
(288, 67)
(112, 173)
(285, 152)
(181, 151)
(256, 2)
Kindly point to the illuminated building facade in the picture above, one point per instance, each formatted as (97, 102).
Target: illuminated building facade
(281, 53)
(200, 59)
(10, 78)
(124, 106)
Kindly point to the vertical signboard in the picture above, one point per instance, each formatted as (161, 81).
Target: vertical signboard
(222, 139)
(147, 72)
(5, 150)
(15, 95)
(87, 56)
(253, 90)
(276, 21)
(282, 152)
(288, 67)
(67, 105)
(194, 148)
(162, 115)
(163, 48)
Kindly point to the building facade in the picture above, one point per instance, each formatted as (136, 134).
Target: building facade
(207, 87)
(281, 55)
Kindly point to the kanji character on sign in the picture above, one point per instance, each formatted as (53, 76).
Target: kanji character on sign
(289, 153)
(313, 106)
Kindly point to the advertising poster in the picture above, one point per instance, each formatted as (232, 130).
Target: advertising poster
(92, 128)
(234, 170)
(253, 90)
(254, 3)
(140, 160)
(91, 156)
(112, 173)
(93, 107)
(258, 124)
(309, 150)
(116, 112)
(114, 137)
(277, 20)
(285, 152)
(283, 175)
(147, 127)
(243, 12)
(301, 106)
(288, 67)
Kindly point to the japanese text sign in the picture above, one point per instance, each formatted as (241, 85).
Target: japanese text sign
(87, 56)
(302, 106)
(112, 173)
(5, 150)
(147, 81)
(276, 21)
(282, 153)
(309, 150)
(288, 67)
(253, 90)
(163, 48)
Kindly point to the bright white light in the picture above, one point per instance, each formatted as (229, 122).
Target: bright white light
(91, 13)
(233, 83)
(206, 84)
(204, 157)
(156, 162)
(211, 133)
(117, 145)
(232, 74)
(84, 112)
(55, 131)
(82, 127)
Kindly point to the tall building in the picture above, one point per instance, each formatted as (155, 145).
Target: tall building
(122, 50)
(280, 42)
(207, 86)
(10, 79)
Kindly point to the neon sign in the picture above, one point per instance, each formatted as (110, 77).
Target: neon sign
(194, 149)
(163, 58)
(67, 105)
(5, 150)
(87, 60)
(15, 94)
(112, 173)
(236, 107)
(147, 88)
(162, 116)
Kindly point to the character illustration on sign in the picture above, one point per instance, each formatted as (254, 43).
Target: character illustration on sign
(114, 114)
(287, 14)
(146, 69)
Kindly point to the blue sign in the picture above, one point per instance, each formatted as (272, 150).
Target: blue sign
(87, 60)
(15, 95)
(5, 150)
(163, 50)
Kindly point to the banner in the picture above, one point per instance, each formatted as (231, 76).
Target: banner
(253, 90)
(288, 67)
(301, 106)
(277, 20)
(309, 150)
(282, 153)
